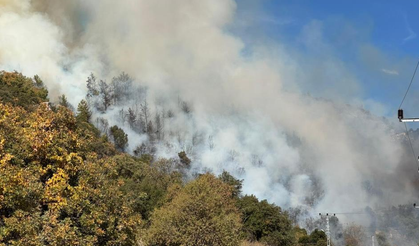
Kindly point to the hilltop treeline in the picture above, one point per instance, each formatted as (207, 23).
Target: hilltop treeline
(62, 182)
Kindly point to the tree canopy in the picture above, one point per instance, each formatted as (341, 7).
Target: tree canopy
(63, 181)
(19, 90)
(201, 213)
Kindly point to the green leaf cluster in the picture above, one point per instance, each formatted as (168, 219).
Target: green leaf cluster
(19, 90)
(265, 222)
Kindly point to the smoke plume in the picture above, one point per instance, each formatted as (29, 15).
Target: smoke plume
(250, 114)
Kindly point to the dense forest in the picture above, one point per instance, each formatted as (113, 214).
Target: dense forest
(66, 179)
(64, 183)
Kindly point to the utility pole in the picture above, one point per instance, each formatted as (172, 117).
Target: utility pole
(327, 227)
(404, 120)
(373, 239)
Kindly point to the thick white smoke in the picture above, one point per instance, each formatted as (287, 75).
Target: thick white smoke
(249, 114)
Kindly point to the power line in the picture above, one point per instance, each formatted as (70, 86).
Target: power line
(411, 81)
(351, 213)
(401, 118)
(411, 145)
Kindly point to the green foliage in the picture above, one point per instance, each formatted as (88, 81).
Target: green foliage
(201, 213)
(265, 222)
(146, 184)
(92, 86)
(63, 184)
(299, 233)
(53, 190)
(120, 138)
(233, 182)
(317, 237)
(83, 112)
(62, 100)
(19, 90)
(106, 96)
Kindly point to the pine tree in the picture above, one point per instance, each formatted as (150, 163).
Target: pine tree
(122, 87)
(159, 124)
(62, 100)
(105, 93)
(144, 116)
(132, 118)
(92, 86)
(119, 137)
(83, 111)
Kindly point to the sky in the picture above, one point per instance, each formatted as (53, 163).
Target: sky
(377, 42)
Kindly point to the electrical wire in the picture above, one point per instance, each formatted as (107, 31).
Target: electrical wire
(411, 145)
(405, 126)
(411, 81)
(351, 213)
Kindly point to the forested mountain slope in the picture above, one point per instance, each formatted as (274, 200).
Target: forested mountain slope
(63, 183)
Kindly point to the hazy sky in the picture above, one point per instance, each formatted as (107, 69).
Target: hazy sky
(376, 40)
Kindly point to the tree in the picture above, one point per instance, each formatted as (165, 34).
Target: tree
(354, 235)
(265, 222)
(317, 238)
(159, 123)
(120, 138)
(132, 118)
(62, 100)
(336, 230)
(184, 159)
(61, 183)
(227, 178)
(144, 116)
(299, 234)
(186, 108)
(53, 190)
(201, 213)
(150, 131)
(105, 94)
(19, 90)
(146, 185)
(122, 87)
(102, 125)
(83, 111)
(38, 82)
(382, 239)
(92, 86)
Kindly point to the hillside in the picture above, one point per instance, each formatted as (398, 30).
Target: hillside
(63, 183)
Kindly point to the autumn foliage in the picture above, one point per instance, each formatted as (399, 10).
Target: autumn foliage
(63, 183)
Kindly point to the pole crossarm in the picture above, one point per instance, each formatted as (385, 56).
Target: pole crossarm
(409, 120)
(402, 119)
